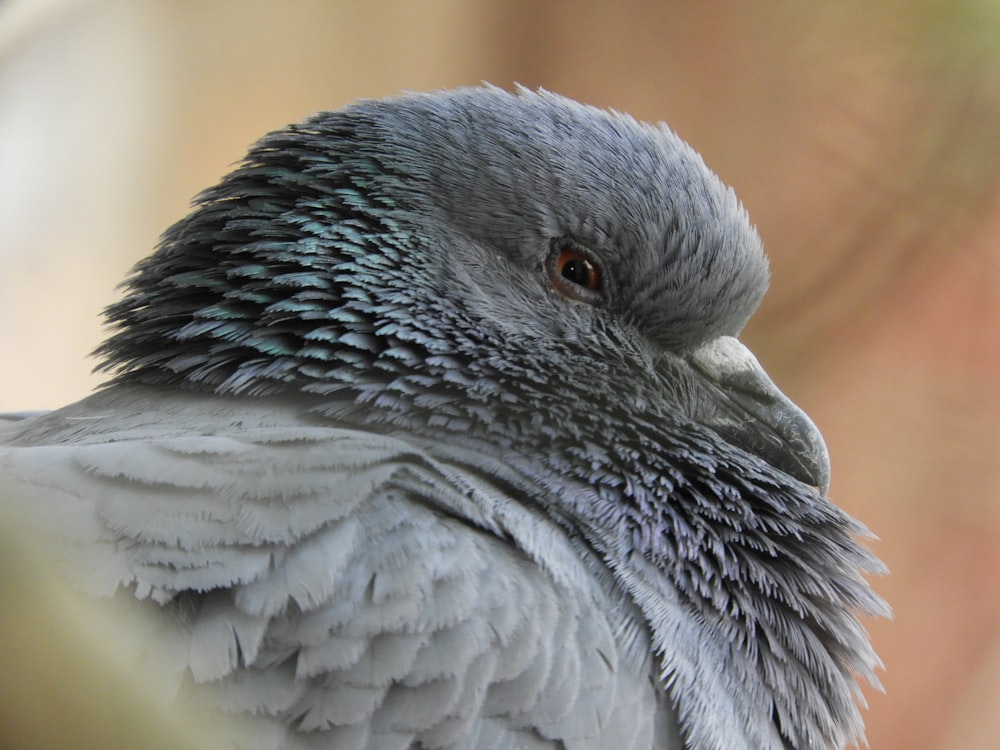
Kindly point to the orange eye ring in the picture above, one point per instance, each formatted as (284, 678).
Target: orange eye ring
(575, 273)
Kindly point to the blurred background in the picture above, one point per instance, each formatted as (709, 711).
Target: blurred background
(864, 139)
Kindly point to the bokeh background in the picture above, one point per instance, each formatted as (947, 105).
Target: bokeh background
(863, 137)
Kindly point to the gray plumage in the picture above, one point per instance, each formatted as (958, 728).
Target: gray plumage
(428, 427)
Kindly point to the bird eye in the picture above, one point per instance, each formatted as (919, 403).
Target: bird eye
(574, 272)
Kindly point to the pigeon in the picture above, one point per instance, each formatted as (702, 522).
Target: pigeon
(429, 427)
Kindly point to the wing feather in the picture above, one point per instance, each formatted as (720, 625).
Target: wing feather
(342, 584)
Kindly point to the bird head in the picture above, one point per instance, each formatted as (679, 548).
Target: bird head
(505, 227)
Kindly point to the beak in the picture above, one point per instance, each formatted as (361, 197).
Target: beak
(750, 412)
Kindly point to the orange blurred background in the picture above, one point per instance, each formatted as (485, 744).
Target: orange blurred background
(864, 139)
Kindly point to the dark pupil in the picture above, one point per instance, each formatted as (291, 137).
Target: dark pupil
(577, 271)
